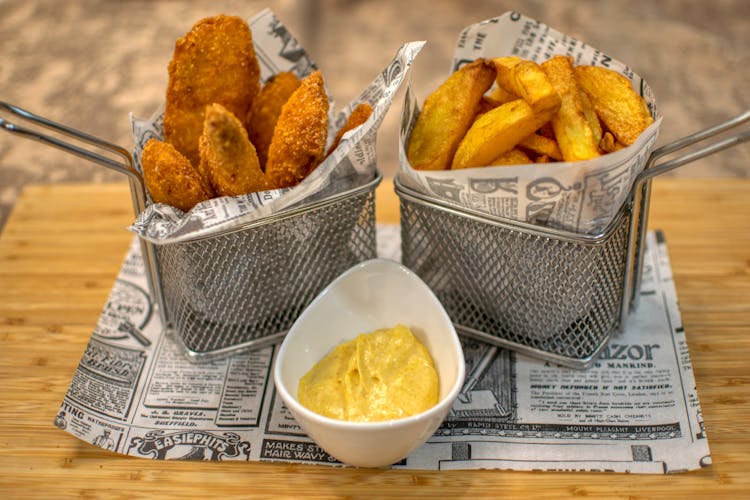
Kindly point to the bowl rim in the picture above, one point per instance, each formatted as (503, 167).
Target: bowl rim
(442, 405)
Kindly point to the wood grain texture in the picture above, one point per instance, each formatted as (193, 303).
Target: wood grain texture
(57, 264)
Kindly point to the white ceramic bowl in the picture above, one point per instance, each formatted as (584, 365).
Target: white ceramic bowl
(374, 294)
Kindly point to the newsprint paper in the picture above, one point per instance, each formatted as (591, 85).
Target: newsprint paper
(636, 410)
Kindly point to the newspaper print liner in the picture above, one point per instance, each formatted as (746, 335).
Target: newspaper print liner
(582, 197)
(350, 165)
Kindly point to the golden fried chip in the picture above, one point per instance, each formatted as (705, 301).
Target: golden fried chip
(447, 115)
(618, 106)
(543, 159)
(261, 120)
(214, 62)
(542, 146)
(299, 140)
(513, 157)
(590, 113)
(485, 104)
(171, 178)
(496, 132)
(504, 77)
(531, 84)
(359, 115)
(499, 96)
(572, 129)
(228, 156)
(609, 144)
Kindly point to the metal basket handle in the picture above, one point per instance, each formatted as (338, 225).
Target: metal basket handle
(653, 169)
(642, 188)
(123, 164)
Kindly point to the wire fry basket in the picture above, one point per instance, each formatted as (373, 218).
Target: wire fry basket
(241, 288)
(550, 293)
(246, 287)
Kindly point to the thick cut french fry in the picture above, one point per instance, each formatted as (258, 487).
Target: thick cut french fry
(572, 129)
(447, 115)
(497, 132)
(543, 146)
(485, 104)
(547, 131)
(526, 80)
(500, 96)
(504, 67)
(618, 106)
(533, 85)
(513, 157)
(590, 113)
(609, 144)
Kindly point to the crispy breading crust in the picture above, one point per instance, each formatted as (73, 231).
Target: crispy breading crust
(227, 155)
(299, 140)
(359, 115)
(264, 114)
(171, 178)
(214, 62)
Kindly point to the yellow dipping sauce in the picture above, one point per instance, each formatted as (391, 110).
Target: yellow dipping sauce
(383, 375)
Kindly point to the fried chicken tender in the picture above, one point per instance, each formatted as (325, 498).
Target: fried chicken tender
(228, 158)
(214, 62)
(171, 178)
(299, 140)
(262, 118)
(359, 115)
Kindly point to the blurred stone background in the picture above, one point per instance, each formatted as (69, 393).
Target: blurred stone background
(89, 63)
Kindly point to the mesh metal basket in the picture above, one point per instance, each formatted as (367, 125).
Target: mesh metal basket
(245, 288)
(549, 293)
(241, 288)
(517, 285)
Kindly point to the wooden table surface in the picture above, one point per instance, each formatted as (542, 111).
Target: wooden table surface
(58, 263)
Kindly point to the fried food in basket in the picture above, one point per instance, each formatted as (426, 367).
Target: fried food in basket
(527, 80)
(214, 62)
(497, 132)
(171, 178)
(228, 158)
(224, 133)
(541, 146)
(359, 115)
(261, 119)
(513, 157)
(299, 139)
(533, 114)
(572, 128)
(446, 116)
(621, 110)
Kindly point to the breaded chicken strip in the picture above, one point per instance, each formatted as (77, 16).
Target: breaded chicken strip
(261, 119)
(359, 115)
(171, 178)
(299, 140)
(214, 62)
(228, 157)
